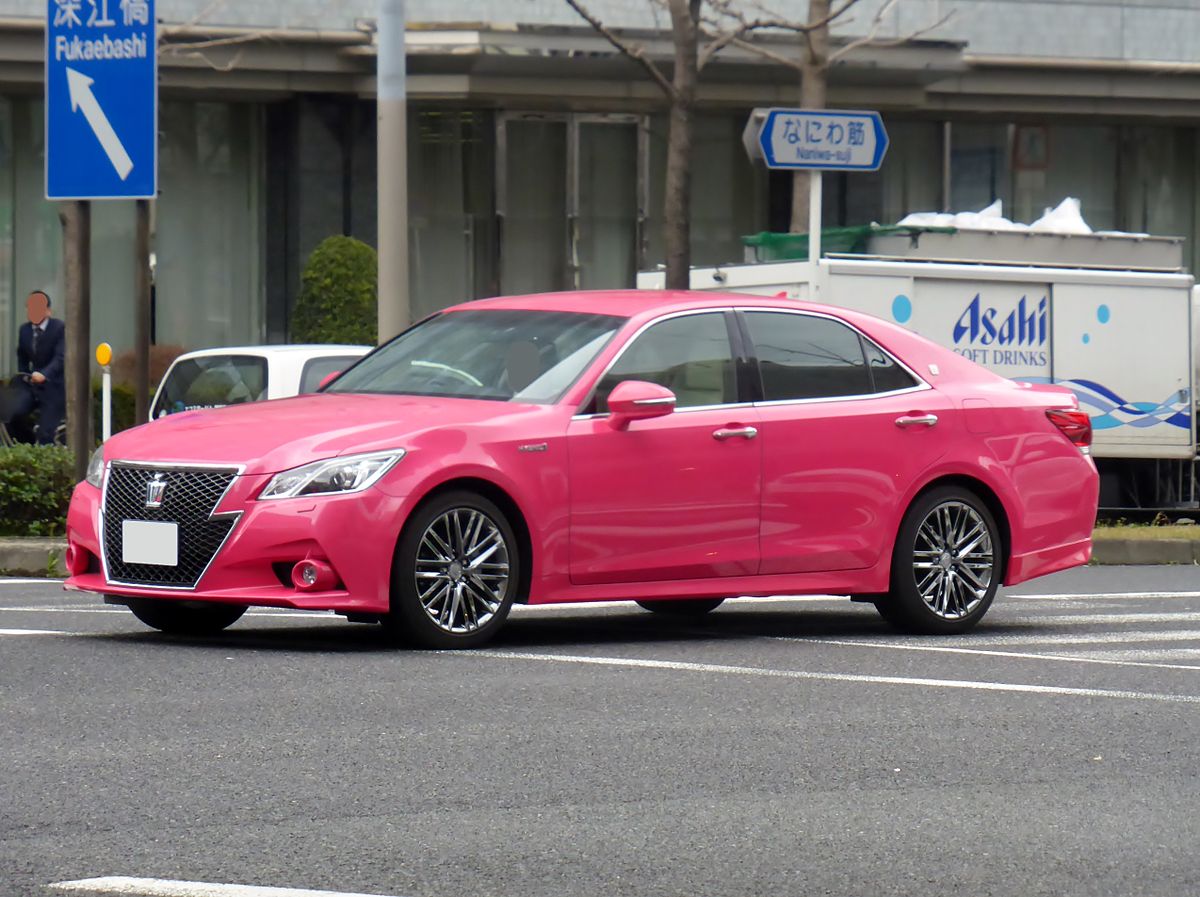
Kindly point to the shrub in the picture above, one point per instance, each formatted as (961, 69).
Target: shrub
(339, 294)
(35, 488)
(124, 407)
(124, 366)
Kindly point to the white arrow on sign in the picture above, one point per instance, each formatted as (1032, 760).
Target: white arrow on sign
(82, 97)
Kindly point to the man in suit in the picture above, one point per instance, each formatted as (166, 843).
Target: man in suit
(41, 352)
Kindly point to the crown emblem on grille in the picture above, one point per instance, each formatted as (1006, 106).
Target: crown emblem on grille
(155, 490)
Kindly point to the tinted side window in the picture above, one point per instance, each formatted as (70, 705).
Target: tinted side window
(690, 356)
(885, 373)
(212, 382)
(805, 357)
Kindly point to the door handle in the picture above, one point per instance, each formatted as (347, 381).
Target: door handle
(917, 420)
(733, 433)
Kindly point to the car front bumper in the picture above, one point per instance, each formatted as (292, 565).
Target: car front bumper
(355, 534)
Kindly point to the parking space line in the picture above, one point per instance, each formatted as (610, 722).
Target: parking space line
(766, 672)
(32, 632)
(1090, 657)
(30, 582)
(162, 887)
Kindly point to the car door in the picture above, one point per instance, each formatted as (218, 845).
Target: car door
(846, 429)
(677, 496)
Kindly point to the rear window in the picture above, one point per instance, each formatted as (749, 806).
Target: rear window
(212, 381)
(319, 368)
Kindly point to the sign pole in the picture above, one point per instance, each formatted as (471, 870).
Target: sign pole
(77, 263)
(141, 378)
(814, 217)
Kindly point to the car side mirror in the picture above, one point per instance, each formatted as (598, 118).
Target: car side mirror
(327, 379)
(634, 400)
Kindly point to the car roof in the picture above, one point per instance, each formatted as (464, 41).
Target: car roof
(638, 303)
(315, 351)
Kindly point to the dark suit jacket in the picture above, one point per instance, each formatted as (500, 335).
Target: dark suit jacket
(51, 353)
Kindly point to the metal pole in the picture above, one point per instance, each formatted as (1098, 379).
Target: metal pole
(392, 110)
(106, 403)
(814, 218)
(77, 241)
(141, 339)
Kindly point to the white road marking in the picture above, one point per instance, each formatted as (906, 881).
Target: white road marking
(1087, 596)
(32, 632)
(1085, 638)
(161, 887)
(30, 582)
(1113, 619)
(640, 663)
(1116, 656)
(1095, 657)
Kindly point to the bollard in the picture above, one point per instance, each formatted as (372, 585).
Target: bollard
(104, 359)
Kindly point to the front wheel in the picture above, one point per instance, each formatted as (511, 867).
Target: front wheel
(186, 617)
(946, 566)
(456, 573)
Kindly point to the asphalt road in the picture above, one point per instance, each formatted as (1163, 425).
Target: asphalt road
(775, 748)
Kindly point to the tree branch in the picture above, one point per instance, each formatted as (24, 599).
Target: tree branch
(872, 41)
(633, 51)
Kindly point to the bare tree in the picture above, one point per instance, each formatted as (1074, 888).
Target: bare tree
(700, 29)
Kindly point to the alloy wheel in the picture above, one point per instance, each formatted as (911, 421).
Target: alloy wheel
(953, 560)
(462, 570)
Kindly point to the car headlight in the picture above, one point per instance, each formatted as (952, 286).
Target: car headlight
(336, 476)
(95, 471)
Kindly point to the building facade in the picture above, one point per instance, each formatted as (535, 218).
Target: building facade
(536, 152)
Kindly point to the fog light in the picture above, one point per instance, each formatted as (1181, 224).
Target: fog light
(76, 560)
(313, 576)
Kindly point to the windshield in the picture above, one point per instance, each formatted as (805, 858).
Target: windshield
(504, 355)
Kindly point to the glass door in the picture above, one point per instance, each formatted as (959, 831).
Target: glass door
(569, 201)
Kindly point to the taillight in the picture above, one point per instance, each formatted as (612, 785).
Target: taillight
(1075, 425)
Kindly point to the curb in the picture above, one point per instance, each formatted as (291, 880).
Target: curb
(44, 557)
(33, 557)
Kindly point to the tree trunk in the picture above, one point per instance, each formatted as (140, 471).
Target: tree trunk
(677, 204)
(813, 87)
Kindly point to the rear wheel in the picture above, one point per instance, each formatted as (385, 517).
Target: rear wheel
(456, 573)
(946, 566)
(684, 607)
(186, 617)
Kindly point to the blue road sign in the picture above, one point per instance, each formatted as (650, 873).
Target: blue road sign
(101, 99)
(830, 139)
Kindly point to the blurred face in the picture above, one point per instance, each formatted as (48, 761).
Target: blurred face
(37, 306)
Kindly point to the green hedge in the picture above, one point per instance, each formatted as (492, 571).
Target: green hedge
(338, 294)
(35, 488)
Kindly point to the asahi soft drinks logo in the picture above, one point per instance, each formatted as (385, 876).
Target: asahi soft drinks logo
(1014, 336)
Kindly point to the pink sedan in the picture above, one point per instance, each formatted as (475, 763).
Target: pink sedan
(674, 448)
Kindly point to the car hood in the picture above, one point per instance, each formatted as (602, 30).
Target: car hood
(267, 437)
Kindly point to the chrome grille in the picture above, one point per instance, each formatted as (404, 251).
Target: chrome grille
(189, 499)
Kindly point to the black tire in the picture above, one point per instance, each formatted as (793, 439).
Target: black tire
(485, 594)
(186, 617)
(935, 590)
(682, 607)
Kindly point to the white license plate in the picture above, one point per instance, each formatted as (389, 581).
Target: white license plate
(146, 542)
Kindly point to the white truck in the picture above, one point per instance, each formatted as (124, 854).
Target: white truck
(1115, 318)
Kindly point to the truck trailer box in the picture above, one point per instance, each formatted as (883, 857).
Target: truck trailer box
(1121, 340)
